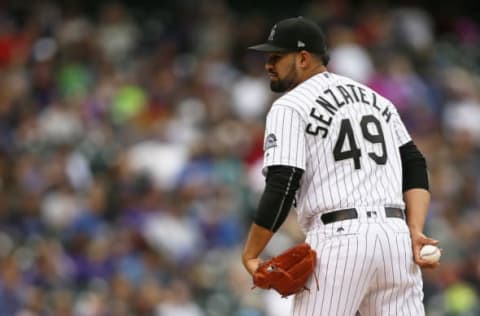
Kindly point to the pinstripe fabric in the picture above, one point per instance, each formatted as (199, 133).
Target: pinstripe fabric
(346, 138)
(365, 267)
(329, 184)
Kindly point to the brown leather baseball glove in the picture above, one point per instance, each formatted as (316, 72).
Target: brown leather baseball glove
(288, 272)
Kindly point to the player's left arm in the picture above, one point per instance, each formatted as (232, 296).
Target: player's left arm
(257, 240)
(284, 165)
(282, 183)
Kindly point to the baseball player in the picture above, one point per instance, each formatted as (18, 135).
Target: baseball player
(342, 152)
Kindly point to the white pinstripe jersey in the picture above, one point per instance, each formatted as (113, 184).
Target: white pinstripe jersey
(346, 138)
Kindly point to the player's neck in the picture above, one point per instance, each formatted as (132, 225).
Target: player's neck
(313, 71)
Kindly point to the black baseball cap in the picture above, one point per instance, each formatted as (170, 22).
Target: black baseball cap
(294, 34)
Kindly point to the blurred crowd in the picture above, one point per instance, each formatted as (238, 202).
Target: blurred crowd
(131, 149)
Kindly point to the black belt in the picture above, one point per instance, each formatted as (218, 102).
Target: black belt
(351, 213)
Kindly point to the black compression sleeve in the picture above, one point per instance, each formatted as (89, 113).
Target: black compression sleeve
(414, 166)
(281, 184)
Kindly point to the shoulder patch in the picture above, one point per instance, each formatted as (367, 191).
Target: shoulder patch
(270, 142)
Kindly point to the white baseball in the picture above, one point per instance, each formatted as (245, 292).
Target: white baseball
(430, 253)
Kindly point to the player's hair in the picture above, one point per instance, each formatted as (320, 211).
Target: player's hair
(323, 57)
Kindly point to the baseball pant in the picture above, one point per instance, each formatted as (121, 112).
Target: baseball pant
(365, 266)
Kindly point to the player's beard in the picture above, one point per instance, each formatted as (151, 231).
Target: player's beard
(287, 83)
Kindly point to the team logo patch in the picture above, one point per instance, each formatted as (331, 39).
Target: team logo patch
(270, 141)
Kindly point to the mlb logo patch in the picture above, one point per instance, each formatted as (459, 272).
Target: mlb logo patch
(270, 141)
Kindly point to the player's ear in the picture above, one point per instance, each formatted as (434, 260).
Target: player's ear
(303, 59)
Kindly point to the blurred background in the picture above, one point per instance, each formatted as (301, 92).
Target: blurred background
(131, 146)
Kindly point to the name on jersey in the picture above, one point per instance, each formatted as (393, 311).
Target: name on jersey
(334, 99)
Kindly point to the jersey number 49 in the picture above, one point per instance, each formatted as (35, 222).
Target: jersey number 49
(353, 152)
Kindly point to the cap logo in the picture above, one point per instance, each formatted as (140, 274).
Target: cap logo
(272, 33)
(300, 44)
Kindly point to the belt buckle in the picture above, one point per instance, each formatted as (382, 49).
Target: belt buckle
(371, 214)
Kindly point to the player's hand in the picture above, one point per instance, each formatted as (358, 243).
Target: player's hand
(418, 241)
(252, 264)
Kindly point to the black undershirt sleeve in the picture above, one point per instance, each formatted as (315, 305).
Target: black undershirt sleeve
(415, 174)
(282, 183)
